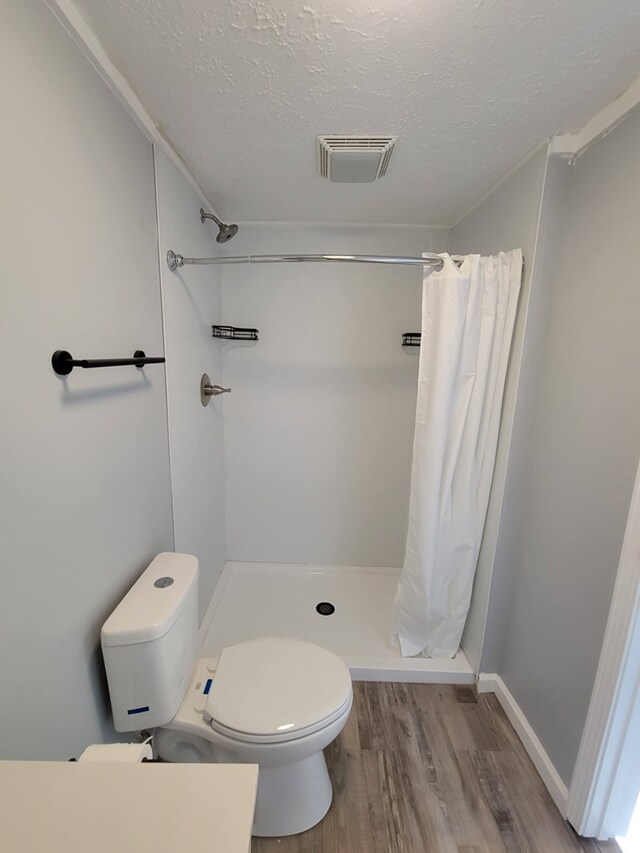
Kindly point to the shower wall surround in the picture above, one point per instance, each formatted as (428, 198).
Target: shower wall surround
(319, 427)
(191, 301)
(507, 219)
(85, 498)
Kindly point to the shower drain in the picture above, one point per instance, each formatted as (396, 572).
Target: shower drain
(325, 608)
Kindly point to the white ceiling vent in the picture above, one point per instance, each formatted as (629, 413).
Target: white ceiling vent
(354, 159)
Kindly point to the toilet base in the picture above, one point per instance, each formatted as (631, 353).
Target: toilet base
(292, 798)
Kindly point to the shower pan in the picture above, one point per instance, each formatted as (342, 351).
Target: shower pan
(347, 609)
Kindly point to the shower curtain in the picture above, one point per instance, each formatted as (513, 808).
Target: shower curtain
(468, 315)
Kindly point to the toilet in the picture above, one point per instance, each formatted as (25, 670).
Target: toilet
(276, 702)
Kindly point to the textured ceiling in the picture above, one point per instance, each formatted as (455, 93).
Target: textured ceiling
(242, 88)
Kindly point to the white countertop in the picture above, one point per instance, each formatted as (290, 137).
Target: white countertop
(99, 807)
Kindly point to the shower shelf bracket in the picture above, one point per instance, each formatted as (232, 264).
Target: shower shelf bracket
(234, 333)
(411, 339)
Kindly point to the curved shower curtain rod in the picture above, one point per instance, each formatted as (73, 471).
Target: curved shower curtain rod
(175, 261)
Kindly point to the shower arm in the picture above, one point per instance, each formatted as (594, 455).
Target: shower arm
(175, 261)
(204, 216)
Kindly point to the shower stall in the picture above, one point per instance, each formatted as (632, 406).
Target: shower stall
(293, 489)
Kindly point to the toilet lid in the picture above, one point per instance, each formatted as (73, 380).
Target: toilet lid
(277, 688)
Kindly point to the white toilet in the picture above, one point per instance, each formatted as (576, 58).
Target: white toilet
(275, 702)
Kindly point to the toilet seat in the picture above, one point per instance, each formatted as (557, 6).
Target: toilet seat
(282, 737)
(277, 689)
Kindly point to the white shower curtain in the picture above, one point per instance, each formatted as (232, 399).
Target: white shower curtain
(468, 315)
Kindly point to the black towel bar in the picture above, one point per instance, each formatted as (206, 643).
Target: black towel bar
(63, 362)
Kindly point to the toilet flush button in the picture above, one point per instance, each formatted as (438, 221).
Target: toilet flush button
(201, 701)
(162, 583)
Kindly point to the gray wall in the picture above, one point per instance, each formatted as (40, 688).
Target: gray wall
(543, 268)
(584, 448)
(84, 489)
(508, 219)
(319, 427)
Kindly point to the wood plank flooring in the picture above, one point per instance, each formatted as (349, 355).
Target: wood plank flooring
(426, 768)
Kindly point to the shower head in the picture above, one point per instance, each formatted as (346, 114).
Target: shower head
(225, 233)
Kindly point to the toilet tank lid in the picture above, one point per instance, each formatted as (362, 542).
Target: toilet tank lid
(154, 602)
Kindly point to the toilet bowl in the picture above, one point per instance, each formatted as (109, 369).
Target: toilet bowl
(276, 702)
(287, 701)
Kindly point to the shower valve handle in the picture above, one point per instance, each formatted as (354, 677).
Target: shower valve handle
(207, 390)
(215, 390)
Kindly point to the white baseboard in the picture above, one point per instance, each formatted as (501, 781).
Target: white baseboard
(493, 683)
(487, 682)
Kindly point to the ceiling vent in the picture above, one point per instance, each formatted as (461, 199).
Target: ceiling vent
(354, 159)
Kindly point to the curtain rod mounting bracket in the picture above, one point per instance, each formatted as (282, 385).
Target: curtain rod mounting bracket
(173, 261)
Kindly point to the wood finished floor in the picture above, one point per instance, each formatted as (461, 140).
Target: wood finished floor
(434, 768)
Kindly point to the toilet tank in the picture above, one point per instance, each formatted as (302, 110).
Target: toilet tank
(150, 642)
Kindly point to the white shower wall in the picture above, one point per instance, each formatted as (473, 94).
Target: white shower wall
(319, 426)
(191, 302)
